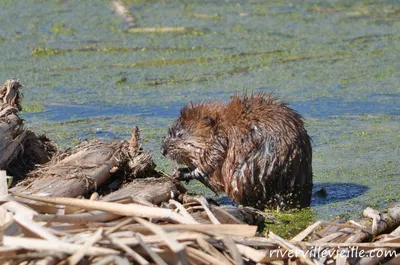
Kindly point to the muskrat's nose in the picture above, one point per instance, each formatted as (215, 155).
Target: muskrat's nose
(164, 150)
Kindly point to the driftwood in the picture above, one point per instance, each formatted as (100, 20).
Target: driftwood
(37, 150)
(152, 190)
(74, 172)
(147, 191)
(86, 167)
(122, 9)
(20, 149)
(10, 95)
(11, 128)
(130, 238)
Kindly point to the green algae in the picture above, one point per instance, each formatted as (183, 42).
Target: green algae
(290, 223)
(32, 107)
(204, 16)
(109, 49)
(334, 62)
(46, 51)
(60, 28)
(197, 60)
(121, 81)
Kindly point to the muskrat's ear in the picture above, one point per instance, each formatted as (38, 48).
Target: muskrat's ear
(210, 121)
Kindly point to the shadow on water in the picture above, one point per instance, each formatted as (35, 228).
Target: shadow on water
(327, 193)
(324, 193)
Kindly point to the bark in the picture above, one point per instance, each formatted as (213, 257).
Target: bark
(72, 173)
(11, 128)
(153, 190)
(86, 167)
(20, 149)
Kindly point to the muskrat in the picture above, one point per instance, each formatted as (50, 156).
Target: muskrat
(254, 148)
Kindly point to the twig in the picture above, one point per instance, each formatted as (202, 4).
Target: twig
(3, 184)
(78, 255)
(79, 218)
(39, 244)
(222, 229)
(212, 251)
(375, 216)
(116, 208)
(333, 236)
(105, 260)
(181, 209)
(35, 228)
(205, 206)
(33, 255)
(231, 246)
(303, 234)
(258, 256)
(360, 245)
(127, 220)
(173, 244)
(289, 246)
(202, 257)
(352, 225)
(157, 259)
(139, 259)
(122, 10)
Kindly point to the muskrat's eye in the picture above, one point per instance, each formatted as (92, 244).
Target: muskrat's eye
(171, 132)
(179, 134)
(210, 121)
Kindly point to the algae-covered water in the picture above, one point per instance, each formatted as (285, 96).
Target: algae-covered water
(87, 74)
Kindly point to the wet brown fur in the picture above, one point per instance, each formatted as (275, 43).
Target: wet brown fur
(254, 148)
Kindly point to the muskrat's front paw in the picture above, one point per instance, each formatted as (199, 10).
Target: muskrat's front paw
(176, 173)
(182, 174)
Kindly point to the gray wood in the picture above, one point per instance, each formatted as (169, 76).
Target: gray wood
(153, 190)
(74, 172)
(11, 128)
(20, 149)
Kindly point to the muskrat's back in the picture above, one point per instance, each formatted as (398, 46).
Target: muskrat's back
(255, 148)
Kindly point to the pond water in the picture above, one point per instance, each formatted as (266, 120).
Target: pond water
(86, 75)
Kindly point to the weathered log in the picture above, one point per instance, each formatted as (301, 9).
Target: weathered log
(9, 93)
(381, 222)
(139, 163)
(375, 259)
(153, 190)
(87, 166)
(161, 240)
(20, 149)
(11, 128)
(74, 172)
(37, 150)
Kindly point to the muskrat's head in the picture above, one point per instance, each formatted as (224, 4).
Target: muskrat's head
(191, 137)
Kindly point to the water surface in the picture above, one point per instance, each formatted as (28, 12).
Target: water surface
(335, 62)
